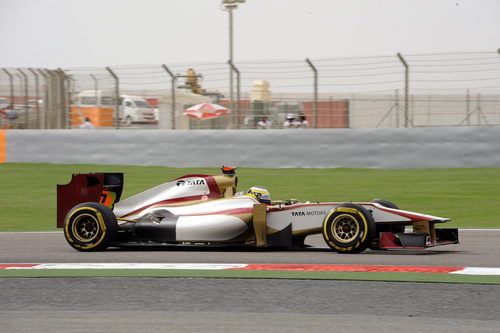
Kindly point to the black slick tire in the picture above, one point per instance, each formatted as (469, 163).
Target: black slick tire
(90, 226)
(348, 228)
(394, 228)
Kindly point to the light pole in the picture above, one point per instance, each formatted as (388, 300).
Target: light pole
(229, 6)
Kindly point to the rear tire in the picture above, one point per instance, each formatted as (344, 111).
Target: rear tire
(348, 228)
(90, 226)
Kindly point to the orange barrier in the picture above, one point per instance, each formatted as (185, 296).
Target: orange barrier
(3, 146)
(99, 117)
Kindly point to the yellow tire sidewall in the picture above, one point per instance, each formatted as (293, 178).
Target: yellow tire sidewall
(70, 219)
(356, 215)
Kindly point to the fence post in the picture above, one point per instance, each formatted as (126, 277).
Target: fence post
(395, 107)
(407, 81)
(69, 91)
(56, 91)
(11, 83)
(315, 105)
(117, 96)
(37, 97)
(238, 92)
(96, 93)
(55, 100)
(25, 77)
(96, 83)
(173, 79)
(63, 121)
(46, 99)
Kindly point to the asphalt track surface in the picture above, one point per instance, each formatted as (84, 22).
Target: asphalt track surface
(240, 305)
(476, 248)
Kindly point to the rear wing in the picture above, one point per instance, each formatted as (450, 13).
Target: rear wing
(105, 188)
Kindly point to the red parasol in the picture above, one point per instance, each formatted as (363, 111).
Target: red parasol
(206, 111)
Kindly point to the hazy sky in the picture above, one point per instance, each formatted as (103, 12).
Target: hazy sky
(74, 33)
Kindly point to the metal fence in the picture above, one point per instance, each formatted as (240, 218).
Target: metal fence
(419, 90)
(41, 97)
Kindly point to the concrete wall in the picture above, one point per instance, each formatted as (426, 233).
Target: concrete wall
(444, 147)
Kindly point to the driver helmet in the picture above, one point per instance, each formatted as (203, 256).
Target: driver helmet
(261, 194)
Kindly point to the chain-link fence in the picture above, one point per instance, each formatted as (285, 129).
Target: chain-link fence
(40, 97)
(422, 90)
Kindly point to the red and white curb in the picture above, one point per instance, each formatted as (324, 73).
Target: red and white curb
(273, 267)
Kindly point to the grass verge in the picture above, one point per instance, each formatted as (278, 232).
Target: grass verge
(468, 196)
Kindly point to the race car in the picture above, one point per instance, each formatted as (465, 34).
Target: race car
(199, 209)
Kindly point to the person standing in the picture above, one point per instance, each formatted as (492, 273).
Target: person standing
(264, 123)
(302, 122)
(87, 124)
(2, 112)
(10, 117)
(289, 122)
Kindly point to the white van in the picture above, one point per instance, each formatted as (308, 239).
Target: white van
(133, 109)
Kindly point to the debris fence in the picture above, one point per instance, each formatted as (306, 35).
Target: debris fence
(392, 91)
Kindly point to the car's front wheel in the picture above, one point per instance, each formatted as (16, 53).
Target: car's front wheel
(90, 226)
(394, 228)
(348, 228)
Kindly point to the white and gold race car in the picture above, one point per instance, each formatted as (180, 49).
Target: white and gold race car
(208, 210)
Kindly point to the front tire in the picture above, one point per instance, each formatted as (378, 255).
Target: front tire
(90, 226)
(348, 228)
(394, 228)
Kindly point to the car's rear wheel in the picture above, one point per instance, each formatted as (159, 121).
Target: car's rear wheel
(90, 226)
(348, 228)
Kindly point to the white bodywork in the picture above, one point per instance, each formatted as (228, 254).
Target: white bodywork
(196, 214)
(222, 228)
(205, 220)
(181, 188)
(207, 209)
(309, 216)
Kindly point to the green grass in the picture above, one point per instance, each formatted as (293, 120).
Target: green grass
(242, 274)
(469, 196)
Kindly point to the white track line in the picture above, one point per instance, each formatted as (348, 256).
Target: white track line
(495, 271)
(478, 271)
(130, 266)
